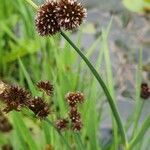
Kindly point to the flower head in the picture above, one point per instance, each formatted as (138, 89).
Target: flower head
(46, 86)
(39, 107)
(74, 98)
(15, 97)
(62, 124)
(71, 14)
(74, 115)
(77, 126)
(46, 19)
(145, 91)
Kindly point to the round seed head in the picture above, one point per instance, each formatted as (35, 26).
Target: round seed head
(77, 126)
(39, 107)
(46, 86)
(145, 91)
(74, 98)
(15, 97)
(46, 19)
(61, 124)
(71, 14)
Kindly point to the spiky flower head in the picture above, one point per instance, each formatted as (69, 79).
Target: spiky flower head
(74, 98)
(77, 126)
(15, 97)
(62, 124)
(71, 14)
(74, 115)
(145, 91)
(46, 86)
(39, 107)
(46, 19)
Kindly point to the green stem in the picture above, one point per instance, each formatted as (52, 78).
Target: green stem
(104, 87)
(141, 133)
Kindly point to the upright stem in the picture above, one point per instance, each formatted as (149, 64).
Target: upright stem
(104, 87)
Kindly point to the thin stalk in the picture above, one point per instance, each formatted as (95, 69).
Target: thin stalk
(101, 82)
(62, 137)
(104, 87)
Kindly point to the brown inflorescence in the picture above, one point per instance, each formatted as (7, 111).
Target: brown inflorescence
(71, 14)
(145, 91)
(15, 97)
(77, 126)
(61, 124)
(46, 19)
(74, 115)
(52, 16)
(5, 125)
(46, 86)
(73, 98)
(39, 107)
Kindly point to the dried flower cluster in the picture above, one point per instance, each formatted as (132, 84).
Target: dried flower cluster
(52, 16)
(62, 124)
(46, 86)
(46, 19)
(75, 118)
(71, 14)
(16, 97)
(5, 125)
(39, 107)
(145, 91)
(73, 98)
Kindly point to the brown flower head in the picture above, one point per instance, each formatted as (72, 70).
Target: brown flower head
(77, 126)
(15, 97)
(62, 124)
(71, 14)
(5, 125)
(39, 107)
(74, 98)
(145, 91)
(74, 115)
(46, 86)
(46, 19)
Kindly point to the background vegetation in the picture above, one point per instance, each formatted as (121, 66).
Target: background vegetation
(26, 58)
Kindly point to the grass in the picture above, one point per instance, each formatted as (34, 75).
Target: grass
(27, 58)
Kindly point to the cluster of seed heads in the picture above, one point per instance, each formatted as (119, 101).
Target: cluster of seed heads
(15, 98)
(73, 98)
(52, 16)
